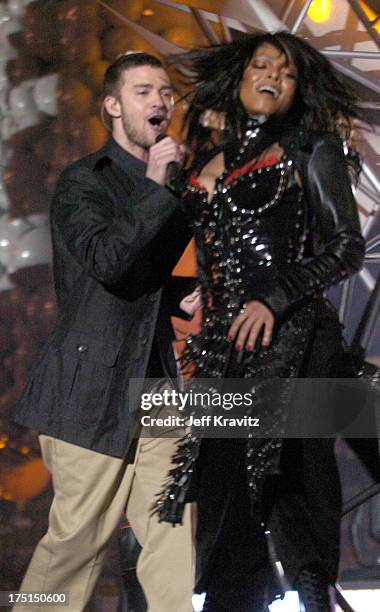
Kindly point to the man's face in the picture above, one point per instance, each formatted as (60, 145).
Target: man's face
(146, 104)
(269, 82)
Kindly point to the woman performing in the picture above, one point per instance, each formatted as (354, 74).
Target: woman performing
(275, 225)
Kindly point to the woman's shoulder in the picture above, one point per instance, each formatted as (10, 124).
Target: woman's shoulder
(325, 139)
(328, 152)
(300, 140)
(315, 150)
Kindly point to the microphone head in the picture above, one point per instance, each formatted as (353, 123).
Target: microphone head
(160, 137)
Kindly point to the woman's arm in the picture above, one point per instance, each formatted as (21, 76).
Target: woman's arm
(339, 246)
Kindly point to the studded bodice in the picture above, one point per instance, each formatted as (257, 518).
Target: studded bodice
(253, 225)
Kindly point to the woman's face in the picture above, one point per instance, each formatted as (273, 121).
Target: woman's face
(269, 82)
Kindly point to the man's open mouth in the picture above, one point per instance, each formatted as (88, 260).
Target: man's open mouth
(156, 120)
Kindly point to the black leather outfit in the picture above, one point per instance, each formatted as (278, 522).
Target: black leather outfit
(262, 237)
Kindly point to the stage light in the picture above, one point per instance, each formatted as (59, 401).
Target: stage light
(320, 10)
(198, 601)
(372, 16)
(290, 603)
(148, 12)
(363, 599)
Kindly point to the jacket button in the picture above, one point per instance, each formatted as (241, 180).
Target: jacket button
(82, 348)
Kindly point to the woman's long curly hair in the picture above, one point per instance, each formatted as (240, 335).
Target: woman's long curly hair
(322, 100)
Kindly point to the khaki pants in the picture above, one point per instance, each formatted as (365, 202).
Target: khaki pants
(91, 491)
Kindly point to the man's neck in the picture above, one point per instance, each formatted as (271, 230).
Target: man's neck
(130, 147)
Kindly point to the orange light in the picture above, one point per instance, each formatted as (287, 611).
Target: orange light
(370, 14)
(148, 12)
(320, 10)
(24, 481)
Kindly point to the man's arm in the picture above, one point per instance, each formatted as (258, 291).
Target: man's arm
(106, 245)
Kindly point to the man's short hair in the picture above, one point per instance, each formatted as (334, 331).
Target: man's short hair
(112, 77)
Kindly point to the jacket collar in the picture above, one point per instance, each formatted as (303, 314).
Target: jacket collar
(122, 158)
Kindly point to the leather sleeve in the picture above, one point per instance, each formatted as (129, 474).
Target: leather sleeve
(83, 216)
(338, 244)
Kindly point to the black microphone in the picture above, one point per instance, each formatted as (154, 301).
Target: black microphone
(173, 170)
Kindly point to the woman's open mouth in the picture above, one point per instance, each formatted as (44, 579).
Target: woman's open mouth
(269, 90)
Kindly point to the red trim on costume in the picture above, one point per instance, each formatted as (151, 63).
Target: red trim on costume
(264, 163)
(270, 161)
(194, 182)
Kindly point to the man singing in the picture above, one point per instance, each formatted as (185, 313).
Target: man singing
(117, 233)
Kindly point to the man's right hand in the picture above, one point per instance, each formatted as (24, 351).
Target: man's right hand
(160, 155)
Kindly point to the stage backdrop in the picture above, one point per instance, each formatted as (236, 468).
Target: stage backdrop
(53, 55)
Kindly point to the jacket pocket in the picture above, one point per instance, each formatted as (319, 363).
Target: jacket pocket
(91, 362)
(87, 348)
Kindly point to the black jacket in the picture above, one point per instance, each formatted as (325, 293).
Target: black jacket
(116, 238)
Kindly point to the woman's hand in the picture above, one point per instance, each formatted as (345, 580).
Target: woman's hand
(213, 119)
(248, 324)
